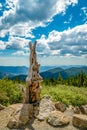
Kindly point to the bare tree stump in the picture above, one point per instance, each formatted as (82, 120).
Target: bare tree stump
(33, 89)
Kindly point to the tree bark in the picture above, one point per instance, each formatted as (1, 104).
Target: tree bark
(33, 89)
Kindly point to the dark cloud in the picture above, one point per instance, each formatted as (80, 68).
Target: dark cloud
(36, 10)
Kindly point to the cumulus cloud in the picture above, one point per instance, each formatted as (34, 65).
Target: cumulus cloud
(72, 42)
(33, 13)
(21, 17)
(17, 43)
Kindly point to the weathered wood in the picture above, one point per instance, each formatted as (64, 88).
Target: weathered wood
(33, 89)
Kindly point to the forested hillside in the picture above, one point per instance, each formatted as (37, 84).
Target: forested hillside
(65, 73)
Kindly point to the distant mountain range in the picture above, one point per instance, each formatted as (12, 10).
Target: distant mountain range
(19, 71)
(45, 71)
(16, 70)
(65, 73)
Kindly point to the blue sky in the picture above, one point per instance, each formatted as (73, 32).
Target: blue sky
(59, 26)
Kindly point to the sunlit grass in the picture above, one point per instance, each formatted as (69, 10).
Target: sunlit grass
(69, 95)
(10, 93)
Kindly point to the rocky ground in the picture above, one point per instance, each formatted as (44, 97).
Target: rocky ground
(34, 124)
(49, 117)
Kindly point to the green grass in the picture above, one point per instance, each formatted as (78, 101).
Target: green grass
(69, 95)
(9, 92)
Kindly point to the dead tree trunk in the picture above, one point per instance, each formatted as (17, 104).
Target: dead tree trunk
(32, 92)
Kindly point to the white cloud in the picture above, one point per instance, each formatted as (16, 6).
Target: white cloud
(55, 52)
(3, 33)
(2, 45)
(72, 42)
(22, 30)
(74, 2)
(17, 43)
(20, 53)
(63, 4)
(42, 46)
(68, 55)
(54, 36)
(31, 14)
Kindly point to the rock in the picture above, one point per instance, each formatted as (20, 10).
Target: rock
(77, 110)
(57, 118)
(60, 106)
(80, 120)
(36, 111)
(21, 116)
(69, 112)
(71, 107)
(83, 109)
(14, 123)
(2, 107)
(5, 116)
(45, 108)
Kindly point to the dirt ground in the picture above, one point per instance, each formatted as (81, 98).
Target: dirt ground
(34, 124)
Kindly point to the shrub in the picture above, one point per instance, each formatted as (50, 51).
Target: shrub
(69, 95)
(9, 92)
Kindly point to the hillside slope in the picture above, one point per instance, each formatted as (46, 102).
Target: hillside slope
(65, 73)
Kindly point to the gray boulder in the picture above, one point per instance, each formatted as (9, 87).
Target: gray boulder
(45, 108)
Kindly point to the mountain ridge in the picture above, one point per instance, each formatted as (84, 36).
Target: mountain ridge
(21, 72)
(65, 73)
